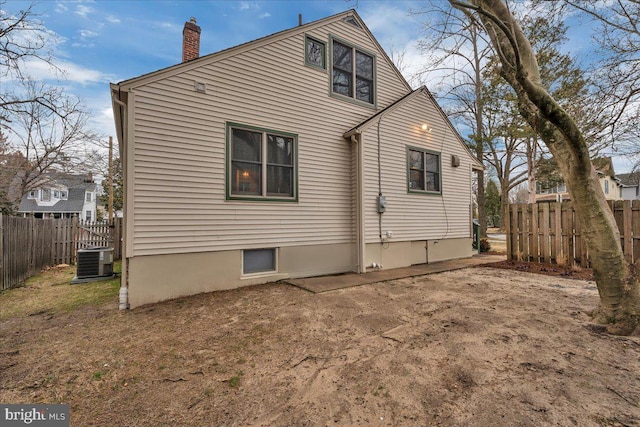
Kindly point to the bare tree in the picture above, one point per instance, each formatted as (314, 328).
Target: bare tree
(23, 38)
(42, 122)
(458, 52)
(512, 144)
(49, 140)
(617, 73)
(617, 286)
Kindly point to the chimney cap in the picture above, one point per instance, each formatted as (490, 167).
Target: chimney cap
(191, 25)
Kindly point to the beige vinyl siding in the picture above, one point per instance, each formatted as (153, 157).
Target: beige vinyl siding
(179, 146)
(414, 216)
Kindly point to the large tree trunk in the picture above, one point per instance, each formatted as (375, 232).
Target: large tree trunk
(617, 286)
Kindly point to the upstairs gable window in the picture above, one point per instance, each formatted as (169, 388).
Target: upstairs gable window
(353, 73)
(315, 53)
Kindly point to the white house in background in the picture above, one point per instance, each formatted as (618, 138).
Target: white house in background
(298, 154)
(609, 181)
(630, 183)
(62, 196)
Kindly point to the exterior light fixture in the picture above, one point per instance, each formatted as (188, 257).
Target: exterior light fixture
(426, 127)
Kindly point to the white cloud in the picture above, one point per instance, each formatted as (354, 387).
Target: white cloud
(84, 45)
(86, 34)
(61, 7)
(244, 5)
(390, 23)
(102, 119)
(71, 72)
(264, 15)
(82, 10)
(167, 26)
(113, 19)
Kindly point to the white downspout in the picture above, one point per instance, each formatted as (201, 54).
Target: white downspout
(360, 226)
(124, 276)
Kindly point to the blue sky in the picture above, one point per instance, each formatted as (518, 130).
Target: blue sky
(109, 41)
(99, 42)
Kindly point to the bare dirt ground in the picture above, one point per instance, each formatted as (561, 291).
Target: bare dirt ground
(474, 347)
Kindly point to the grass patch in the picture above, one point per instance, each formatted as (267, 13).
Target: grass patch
(51, 291)
(234, 381)
(97, 376)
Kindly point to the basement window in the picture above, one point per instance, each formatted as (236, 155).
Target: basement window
(258, 261)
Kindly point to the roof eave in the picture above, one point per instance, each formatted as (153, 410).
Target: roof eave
(185, 66)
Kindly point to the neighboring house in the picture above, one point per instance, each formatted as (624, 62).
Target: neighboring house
(63, 196)
(557, 191)
(630, 183)
(302, 153)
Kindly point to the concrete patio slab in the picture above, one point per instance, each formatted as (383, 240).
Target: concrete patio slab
(347, 280)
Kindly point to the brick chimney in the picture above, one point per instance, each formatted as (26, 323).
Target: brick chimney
(190, 40)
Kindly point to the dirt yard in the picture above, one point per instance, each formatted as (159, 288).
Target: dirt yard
(474, 347)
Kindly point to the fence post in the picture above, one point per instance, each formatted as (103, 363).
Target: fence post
(2, 261)
(535, 238)
(507, 220)
(546, 244)
(75, 235)
(557, 238)
(627, 233)
(514, 232)
(525, 232)
(635, 212)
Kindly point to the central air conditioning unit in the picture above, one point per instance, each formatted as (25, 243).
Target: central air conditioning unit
(94, 264)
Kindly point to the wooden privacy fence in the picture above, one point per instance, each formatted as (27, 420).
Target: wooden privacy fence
(27, 245)
(550, 232)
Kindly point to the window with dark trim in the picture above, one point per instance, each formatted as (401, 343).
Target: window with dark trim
(315, 53)
(352, 73)
(262, 164)
(423, 171)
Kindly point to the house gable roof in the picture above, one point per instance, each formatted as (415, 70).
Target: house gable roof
(629, 179)
(421, 90)
(216, 56)
(604, 166)
(77, 186)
